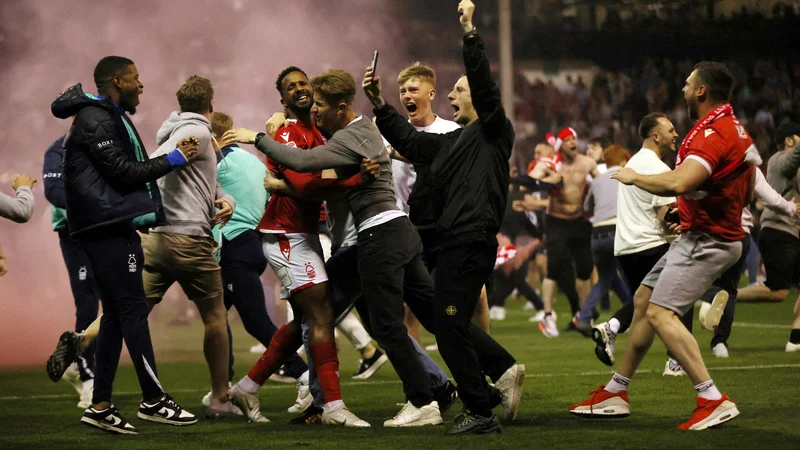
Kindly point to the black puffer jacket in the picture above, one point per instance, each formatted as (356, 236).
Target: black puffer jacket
(108, 178)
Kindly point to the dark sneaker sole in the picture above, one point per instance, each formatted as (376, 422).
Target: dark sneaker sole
(372, 369)
(600, 348)
(66, 353)
(486, 429)
(104, 426)
(158, 419)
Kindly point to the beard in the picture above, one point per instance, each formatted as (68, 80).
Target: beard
(129, 101)
(691, 105)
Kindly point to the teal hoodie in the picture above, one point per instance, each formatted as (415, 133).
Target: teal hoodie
(241, 174)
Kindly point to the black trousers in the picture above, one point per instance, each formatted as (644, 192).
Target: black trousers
(391, 269)
(504, 284)
(729, 281)
(569, 253)
(84, 293)
(242, 262)
(636, 266)
(116, 255)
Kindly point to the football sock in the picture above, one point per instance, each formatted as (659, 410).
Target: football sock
(283, 345)
(618, 383)
(326, 364)
(708, 390)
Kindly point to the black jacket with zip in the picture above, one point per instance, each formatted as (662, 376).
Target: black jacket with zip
(469, 166)
(106, 179)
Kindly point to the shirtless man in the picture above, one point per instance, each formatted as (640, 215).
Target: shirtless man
(568, 236)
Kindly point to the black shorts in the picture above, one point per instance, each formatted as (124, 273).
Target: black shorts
(567, 242)
(779, 250)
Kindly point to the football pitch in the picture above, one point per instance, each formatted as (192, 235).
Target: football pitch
(762, 379)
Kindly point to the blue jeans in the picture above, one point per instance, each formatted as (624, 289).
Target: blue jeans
(609, 274)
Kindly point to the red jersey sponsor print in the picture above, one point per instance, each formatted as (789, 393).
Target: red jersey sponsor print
(286, 214)
(719, 142)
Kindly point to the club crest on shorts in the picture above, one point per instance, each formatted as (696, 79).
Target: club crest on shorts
(82, 273)
(310, 271)
(451, 310)
(131, 263)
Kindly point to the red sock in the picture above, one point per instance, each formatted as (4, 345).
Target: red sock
(283, 344)
(326, 363)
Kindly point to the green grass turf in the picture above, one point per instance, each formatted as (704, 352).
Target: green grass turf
(759, 376)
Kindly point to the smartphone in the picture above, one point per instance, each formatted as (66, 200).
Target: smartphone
(672, 217)
(374, 62)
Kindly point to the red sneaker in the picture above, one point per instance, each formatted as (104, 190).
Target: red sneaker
(711, 413)
(603, 404)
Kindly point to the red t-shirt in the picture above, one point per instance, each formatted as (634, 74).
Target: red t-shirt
(286, 214)
(716, 207)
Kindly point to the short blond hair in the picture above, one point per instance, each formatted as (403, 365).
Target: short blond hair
(335, 86)
(220, 123)
(417, 70)
(195, 95)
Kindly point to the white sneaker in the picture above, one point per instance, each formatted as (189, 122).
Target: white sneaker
(342, 417)
(497, 313)
(207, 399)
(704, 307)
(73, 376)
(539, 316)
(250, 404)
(432, 348)
(258, 348)
(528, 306)
(673, 368)
(510, 385)
(87, 390)
(411, 416)
(548, 326)
(720, 351)
(792, 347)
(303, 401)
(713, 314)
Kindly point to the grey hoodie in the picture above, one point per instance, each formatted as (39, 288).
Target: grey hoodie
(188, 194)
(782, 171)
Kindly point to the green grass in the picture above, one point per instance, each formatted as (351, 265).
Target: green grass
(759, 376)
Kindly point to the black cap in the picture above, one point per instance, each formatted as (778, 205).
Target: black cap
(785, 130)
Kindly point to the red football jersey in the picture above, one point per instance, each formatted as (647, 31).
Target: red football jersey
(284, 213)
(716, 207)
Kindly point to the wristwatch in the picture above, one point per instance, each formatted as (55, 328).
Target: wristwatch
(258, 138)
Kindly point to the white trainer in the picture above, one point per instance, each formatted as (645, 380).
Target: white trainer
(248, 403)
(548, 326)
(432, 348)
(539, 316)
(258, 348)
(528, 306)
(303, 401)
(720, 351)
(711, 318)
(704, 307)
(411, 416)
(792, 347)
(342, 417)
(73, 376)
(673, 368)
(497, 313)
(207, 398)
(510, 385)
(87, 390)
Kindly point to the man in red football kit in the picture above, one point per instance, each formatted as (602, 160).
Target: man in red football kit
(291, 244)
(713, 183)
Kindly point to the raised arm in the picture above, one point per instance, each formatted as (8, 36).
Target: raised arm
(19, 208)
(415, 146)
(484, 91)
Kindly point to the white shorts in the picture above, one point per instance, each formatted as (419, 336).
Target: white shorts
(296, 259)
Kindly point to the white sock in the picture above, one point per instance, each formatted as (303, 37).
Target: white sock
(249, 385)
(614, 325)
(708, 390)
(303, 379)
(618, 383)
(334, 405)
(88, 384)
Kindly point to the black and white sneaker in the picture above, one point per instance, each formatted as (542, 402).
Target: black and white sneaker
(165, 410)
(108, 419)
(447, 396)
(368, 367)
(66, 353)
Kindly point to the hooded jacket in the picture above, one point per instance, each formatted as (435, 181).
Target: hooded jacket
(108, 178)
(189, 194)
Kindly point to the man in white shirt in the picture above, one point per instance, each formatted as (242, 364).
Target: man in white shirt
(642, 235)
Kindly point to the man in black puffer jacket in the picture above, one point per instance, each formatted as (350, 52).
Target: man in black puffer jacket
(110, 190)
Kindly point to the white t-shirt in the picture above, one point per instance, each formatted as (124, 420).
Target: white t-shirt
(403, 174)
(638, 227)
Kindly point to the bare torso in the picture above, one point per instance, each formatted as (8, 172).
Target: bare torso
(567, 202)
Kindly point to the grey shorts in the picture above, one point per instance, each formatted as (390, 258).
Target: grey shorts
(694, 261)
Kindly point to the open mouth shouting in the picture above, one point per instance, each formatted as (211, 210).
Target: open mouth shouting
(456, 109)
(411, 107)
(302, 98)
